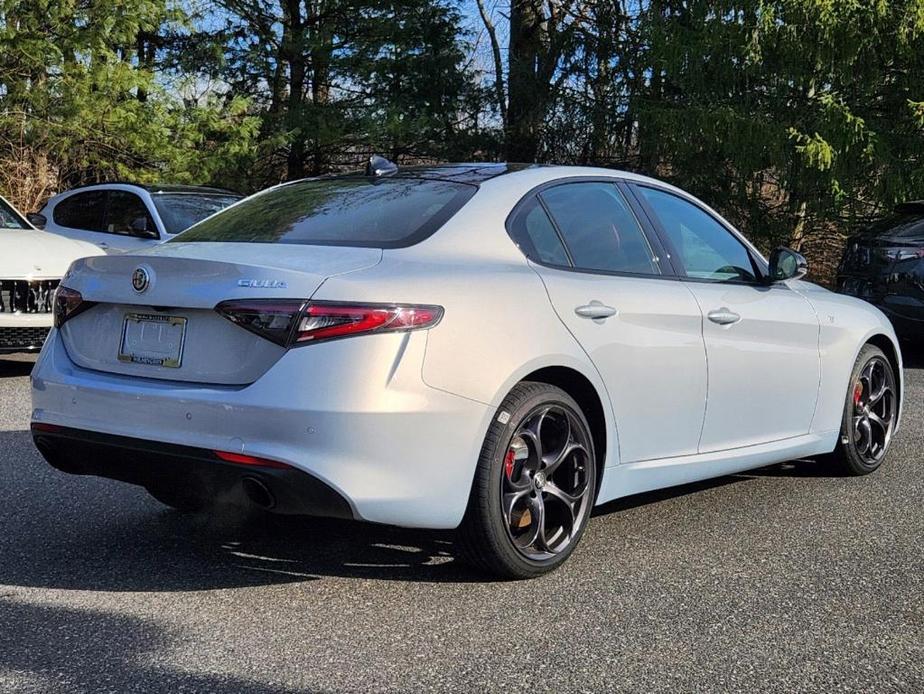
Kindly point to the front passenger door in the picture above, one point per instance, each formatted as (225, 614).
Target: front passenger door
(123, 209)
(761, 340)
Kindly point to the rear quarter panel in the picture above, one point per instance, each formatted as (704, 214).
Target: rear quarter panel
(498, 325)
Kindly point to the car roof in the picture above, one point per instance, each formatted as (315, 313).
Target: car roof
(155, 188)
(473, 172)
(498, 172)
(476, 173)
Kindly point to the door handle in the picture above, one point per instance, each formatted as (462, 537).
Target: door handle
(724, 316)
(596, 311)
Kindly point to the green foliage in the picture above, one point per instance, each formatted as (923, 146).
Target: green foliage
(337, 79)
(77, 96)
(792, 117)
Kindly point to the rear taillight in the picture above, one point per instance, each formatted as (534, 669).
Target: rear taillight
(67, 304)
(273, 319)
(294, 322)
(321, 321)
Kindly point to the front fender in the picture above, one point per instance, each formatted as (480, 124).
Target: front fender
(846, 325)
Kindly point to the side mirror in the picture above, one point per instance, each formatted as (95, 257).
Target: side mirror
(37, 220)
(139, 228)
(786, 264)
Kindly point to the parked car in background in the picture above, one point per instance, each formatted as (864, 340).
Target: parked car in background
(119, 217)
(491, 347)
(885, 266)
(31, 266)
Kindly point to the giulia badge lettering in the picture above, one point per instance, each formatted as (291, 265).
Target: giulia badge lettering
(262, 284)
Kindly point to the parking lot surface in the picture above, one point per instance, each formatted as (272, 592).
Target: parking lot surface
(781, 579)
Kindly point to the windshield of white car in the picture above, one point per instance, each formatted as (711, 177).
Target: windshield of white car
(10, 219)
(346, 211)
(179, 211)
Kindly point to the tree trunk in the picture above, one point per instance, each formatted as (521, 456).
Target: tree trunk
(321, 53)
(499, 93)
(145, 51)
(653, 96)
(294, 52)
(798, 231)
(526, 105)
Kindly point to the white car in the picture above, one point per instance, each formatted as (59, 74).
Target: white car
(122, 217)
(31, 265)
(491, 347)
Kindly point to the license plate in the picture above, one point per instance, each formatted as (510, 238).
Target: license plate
(153, 339)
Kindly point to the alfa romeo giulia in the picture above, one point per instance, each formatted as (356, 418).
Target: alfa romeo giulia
(489, 347)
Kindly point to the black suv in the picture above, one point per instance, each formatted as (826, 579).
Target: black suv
(885, 265)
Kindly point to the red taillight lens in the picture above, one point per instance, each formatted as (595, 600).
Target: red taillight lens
(322, 321)
(68, 303)
(295, 322)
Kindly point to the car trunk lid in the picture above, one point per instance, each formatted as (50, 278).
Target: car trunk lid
(153, 314)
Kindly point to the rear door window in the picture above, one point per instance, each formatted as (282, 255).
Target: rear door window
(534, 232)
(82, 211)
(369, 212)
(599, 228)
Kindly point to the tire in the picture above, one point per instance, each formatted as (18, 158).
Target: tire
(184, 500)
(534, 418)
(869, 415)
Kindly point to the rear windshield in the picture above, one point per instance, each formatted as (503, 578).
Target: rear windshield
(179, 211)
(899, 226)
(377, 213)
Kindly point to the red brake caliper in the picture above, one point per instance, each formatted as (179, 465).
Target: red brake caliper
(508, 463)
(857, 393)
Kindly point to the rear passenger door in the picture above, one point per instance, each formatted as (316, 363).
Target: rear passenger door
(104, 218)
(82, 216)
(611, 285)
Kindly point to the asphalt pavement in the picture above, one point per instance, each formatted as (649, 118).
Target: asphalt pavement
(782, 579)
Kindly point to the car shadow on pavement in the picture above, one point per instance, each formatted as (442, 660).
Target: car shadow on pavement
(636, 500)
(52, 647)
(84, 533)
(805, 467)
(913, 355)
(11, 368)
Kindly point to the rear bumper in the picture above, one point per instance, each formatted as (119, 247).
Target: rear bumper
(352, 414)
(159, 465)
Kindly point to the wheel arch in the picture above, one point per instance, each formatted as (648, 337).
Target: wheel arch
(579, 387)
(891, 350)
